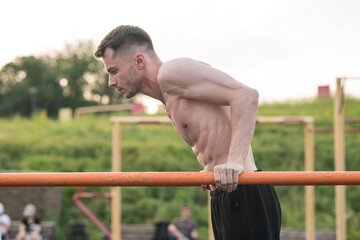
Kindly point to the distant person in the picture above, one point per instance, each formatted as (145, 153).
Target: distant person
(5, 222)
(30, 226)
(183, 228)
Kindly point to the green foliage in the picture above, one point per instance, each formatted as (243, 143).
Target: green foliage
(34, 82)
(85, 145)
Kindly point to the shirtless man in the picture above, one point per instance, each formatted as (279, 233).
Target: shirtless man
(214, 114)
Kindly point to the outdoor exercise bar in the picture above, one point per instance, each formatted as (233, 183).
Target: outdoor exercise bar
(176, 178)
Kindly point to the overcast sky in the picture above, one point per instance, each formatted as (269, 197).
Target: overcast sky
(285, 49)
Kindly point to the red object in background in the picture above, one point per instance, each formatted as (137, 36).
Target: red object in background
(324, 91)
(87, 212)
(137, 109)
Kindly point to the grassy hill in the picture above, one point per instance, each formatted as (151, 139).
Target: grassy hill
(85, 145)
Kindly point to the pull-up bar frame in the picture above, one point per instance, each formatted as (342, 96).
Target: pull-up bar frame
(307, 122)
(339, 154)
(166, 179)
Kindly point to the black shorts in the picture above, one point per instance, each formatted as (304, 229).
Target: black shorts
(251, 212)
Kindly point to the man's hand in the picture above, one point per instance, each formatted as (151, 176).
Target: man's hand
(226, 176)
(34, 236)
(183, 238)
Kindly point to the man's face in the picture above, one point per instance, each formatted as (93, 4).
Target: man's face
(122, 75)
(185, 213)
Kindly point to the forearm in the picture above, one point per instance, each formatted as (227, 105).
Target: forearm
(194, 234)
(37, 230)
(243, 120)
(174, 231)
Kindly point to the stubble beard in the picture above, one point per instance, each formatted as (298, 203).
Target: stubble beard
(134, 86)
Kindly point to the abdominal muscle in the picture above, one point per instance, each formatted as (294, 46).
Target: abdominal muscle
(207, 129)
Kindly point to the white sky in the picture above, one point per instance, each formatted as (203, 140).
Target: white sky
(283, 48)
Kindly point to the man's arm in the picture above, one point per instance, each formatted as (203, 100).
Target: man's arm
(6, 223)
(175, 232)
(198, 81)
(37, 229)
(194, 234)
(22, 231)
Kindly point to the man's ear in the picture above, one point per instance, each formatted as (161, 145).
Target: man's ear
(139, 61)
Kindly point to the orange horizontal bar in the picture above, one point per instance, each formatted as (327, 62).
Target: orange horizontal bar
(175, 178)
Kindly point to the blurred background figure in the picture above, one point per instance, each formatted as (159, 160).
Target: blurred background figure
(5, 222)
(30, 226)
(183, 228)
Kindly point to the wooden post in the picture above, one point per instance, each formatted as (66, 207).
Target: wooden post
(210, 228)
(309, 156)
(339, 152)
(309, 190)
(116, 191)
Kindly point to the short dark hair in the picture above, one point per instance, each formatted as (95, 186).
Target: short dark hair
(124, 36)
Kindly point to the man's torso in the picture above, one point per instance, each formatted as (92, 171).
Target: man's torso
(205, 127)
(185, 226)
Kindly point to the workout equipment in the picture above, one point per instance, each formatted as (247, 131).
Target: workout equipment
(176, 178)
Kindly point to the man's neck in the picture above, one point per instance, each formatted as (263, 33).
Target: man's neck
(150, 85)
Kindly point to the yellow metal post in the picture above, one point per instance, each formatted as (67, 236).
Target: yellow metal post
(339, 151)
(309, 190)
(115, 191)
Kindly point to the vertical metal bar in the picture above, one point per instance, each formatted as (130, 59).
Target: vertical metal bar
(339, 153)
(115, 191)
(309, 190)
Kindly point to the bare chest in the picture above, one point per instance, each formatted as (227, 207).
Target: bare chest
(183, 116)
(194, 119)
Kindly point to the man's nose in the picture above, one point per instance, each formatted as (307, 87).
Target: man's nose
(111, 82)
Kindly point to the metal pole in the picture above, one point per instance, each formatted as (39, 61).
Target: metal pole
(115, 191)
(309, 190)
(176, 178)
(339, 152)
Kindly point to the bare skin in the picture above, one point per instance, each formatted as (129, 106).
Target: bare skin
(212, 112)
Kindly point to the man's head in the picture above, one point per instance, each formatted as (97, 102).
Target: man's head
(29, 210)
(123, 38)
(124, 51)
(185, 212)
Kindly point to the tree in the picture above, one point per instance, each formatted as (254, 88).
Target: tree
(24, 81)
(72, 78)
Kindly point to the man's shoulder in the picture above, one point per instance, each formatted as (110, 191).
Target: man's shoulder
(182, 62)
(178, 71)
(179, 60)
(170, 67)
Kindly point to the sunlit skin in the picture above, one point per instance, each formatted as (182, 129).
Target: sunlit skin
(212, 112)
